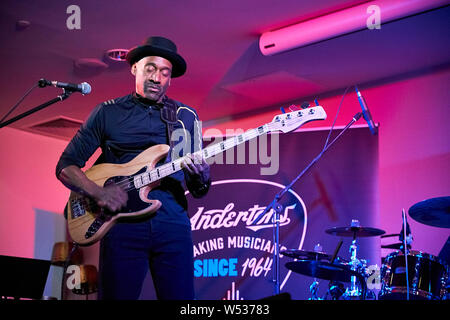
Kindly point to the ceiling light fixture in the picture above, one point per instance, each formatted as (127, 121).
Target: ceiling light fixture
(117, 54)
(340, 22)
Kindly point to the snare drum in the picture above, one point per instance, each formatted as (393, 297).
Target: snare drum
(426, 273)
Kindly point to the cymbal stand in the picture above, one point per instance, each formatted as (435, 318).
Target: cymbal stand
(313, 289)
(405, 246)
(315, 285)
(355, 264)
(335, 288)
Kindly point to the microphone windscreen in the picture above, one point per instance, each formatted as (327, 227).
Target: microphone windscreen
(85, 88)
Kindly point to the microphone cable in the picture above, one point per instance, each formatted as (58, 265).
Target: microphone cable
(19, 102)
(335, 118)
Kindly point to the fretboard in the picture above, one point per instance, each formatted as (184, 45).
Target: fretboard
(169, 168)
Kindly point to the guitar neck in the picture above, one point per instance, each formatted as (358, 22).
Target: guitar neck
(160, 172)
(232, 142)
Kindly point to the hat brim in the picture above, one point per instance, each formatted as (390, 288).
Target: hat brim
(178, 63)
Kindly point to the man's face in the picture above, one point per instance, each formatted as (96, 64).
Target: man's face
(152, 77)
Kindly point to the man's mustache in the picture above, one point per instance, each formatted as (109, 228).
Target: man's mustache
(152, 86)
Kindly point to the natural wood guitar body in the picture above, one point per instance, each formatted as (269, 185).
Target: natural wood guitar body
(88, 223)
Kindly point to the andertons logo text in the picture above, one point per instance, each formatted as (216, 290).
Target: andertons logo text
(230, 218)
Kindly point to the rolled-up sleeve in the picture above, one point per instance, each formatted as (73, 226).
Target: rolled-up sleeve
(87, 139)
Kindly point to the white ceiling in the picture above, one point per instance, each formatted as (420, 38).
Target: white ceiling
(227, 75)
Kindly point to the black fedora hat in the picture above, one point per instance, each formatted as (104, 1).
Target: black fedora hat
(161, 47)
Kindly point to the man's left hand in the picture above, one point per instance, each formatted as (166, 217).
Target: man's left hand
(197, 167)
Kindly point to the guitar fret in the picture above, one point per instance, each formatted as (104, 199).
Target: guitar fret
(145, 178)
(232, 142)
(137, 182)
(260, 130)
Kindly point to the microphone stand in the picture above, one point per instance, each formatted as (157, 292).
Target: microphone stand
(63, 96)
(278, 208)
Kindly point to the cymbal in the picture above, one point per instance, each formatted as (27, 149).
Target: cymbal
(305, 255)
(394, 246)
(434, 212)
(392, 235)
(322, 270)
(355, 232)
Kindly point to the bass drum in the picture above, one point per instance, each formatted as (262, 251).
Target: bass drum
(427, 277)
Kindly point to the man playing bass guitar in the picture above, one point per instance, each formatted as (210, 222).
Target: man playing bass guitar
(123, 128)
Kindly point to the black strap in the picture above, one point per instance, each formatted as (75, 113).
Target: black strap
(169, 116)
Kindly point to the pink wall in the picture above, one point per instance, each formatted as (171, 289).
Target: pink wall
(27, 182)
(414, 151)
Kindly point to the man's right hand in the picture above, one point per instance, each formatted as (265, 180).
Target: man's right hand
(111, 197)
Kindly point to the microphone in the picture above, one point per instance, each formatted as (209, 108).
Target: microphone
(366, 113)
(84, 87)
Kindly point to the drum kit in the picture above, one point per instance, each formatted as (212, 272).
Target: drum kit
(404, 275)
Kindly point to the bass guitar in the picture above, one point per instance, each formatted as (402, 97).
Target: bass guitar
(88, 222)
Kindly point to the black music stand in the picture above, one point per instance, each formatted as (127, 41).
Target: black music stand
(23, 277)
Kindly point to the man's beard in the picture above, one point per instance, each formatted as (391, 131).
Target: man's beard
(151, 93)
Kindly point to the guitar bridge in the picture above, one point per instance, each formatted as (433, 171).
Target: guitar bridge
(78, 207)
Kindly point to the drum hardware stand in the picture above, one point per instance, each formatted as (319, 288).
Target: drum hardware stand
(315, 285)
(313, 289)
(406, 252)
(355, 264)
(278, 208)
(336, 288)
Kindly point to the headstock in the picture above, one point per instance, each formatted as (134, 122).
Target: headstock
(290, 121)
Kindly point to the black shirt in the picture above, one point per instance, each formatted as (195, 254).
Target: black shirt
(126, 126)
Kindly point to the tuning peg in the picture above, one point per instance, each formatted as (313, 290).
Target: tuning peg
(293, 107)
(304, 105)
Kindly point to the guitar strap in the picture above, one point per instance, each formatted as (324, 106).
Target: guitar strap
(169, 116)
